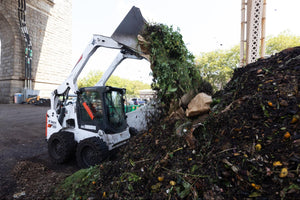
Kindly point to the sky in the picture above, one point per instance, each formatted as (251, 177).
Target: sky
(206, 25)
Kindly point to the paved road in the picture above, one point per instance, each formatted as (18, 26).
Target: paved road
(22, 136)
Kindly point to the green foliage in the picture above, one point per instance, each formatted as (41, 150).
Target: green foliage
(283, 41)
(184, 190)
(173, 69)
(75, 186)
(132, 87)
(131, 177)
(90, 80)
(217, 66)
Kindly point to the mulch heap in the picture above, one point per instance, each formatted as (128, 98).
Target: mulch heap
(247, 148)
(255, 150)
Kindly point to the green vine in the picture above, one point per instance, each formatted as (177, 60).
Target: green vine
(173, 68)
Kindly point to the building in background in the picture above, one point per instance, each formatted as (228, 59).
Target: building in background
(49, 24)
(147, 94)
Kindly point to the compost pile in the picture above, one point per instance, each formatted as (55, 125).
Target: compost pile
(247, 147)
(255, 144)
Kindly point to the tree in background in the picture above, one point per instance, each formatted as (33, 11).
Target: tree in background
(132, 87)
(217, 66)
(283, 41)
(90, 79)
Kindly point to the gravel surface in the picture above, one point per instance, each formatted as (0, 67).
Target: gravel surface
(23, 147)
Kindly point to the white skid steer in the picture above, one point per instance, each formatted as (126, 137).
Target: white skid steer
(95, 122)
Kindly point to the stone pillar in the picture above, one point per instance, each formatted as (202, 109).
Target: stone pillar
(49, 25)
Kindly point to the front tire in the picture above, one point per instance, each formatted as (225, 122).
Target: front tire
(133, 131)
(61, 146)
(90, 152)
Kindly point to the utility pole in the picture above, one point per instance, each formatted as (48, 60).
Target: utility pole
(253, 17)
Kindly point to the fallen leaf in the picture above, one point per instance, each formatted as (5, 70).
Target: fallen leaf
(172, 183)
(160, 178)
(287, 135)
(277, 163)
(254, 194)
(284, 172)
(284, 103)
(295, 119)
(258, 147)
(156, 186)
(257, 187)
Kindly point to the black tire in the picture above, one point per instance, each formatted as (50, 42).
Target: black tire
(61, 147)
(91, 151)
(133, 131)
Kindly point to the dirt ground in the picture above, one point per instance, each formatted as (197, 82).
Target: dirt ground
(23, 151)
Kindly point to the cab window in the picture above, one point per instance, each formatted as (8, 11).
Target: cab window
(90, 106)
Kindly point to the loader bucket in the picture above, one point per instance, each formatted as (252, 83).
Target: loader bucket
(128, 30)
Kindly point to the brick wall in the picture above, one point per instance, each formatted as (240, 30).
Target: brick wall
(49, 25)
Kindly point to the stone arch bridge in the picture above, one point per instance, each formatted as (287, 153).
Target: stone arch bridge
(49, 24)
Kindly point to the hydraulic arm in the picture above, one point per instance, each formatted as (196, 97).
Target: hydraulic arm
(70, 84)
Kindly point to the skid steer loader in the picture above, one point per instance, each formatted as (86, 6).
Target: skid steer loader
(90, 122)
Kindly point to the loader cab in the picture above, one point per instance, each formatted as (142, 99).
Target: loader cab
(101, 108)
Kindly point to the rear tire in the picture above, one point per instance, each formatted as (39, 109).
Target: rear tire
(61, 146)
(91, 151)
